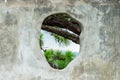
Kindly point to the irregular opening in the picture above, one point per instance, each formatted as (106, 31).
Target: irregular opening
(59, 39)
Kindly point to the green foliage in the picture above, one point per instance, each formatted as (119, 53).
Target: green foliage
(67, 17)
(69, 54)
(61, 40)
(49, 54)
(61, 64)
(41, 40)
(58, 59)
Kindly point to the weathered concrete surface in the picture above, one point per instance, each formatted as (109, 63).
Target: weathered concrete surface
(22, 59)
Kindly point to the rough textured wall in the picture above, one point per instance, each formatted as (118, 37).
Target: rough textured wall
(22, 59)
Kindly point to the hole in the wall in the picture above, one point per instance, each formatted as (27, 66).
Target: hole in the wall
(59, 39)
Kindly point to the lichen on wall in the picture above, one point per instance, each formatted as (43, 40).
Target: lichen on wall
(20, 54)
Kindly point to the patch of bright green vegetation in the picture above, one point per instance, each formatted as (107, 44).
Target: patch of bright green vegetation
(61, 40)
(58, 59)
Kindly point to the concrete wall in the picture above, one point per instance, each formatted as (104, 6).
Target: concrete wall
(20, 54)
